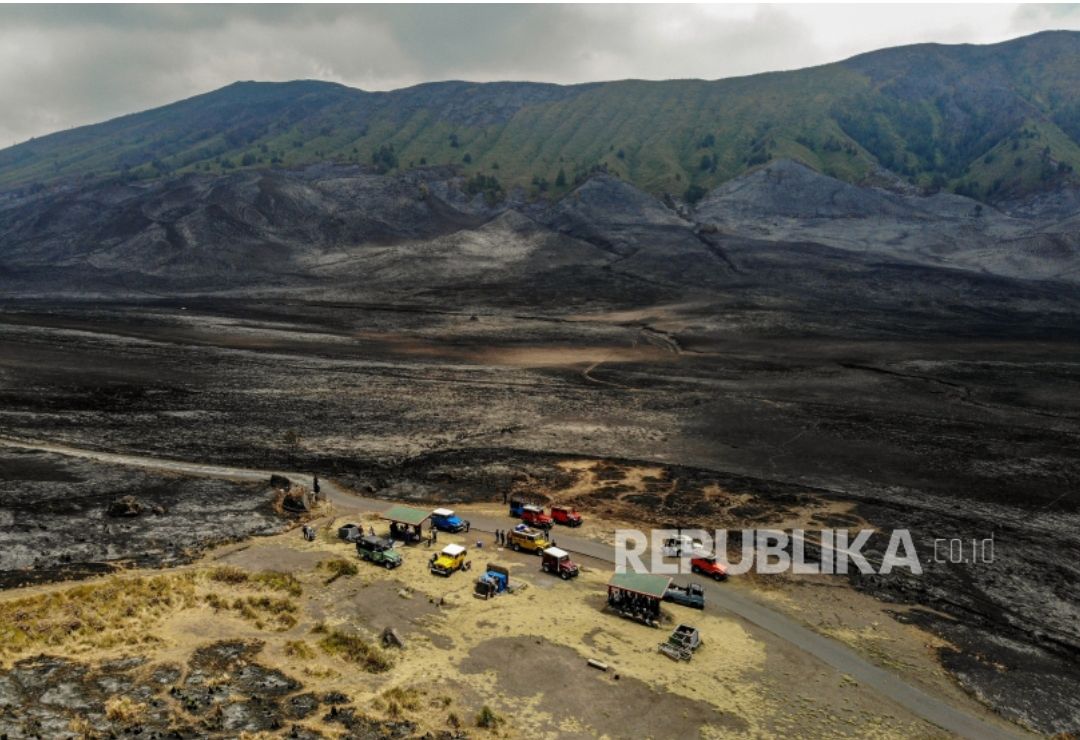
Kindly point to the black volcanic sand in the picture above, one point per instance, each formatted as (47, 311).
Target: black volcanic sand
(55, 521)
(970, 435)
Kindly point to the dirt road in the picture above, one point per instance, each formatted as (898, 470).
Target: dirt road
(839, 657)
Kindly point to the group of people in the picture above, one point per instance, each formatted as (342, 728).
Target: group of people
(634, 603)
(399, 531)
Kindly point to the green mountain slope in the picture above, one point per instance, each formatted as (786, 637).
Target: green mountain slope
(988, 121)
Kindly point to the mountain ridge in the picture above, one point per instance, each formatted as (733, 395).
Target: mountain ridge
(989, 121)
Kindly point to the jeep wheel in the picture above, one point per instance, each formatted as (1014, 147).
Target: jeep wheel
(695, 569)
(565, 576)
(388, 565)
(515, 547)
(718, 576)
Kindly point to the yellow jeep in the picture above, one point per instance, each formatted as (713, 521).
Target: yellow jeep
(528, 540)
(451, 558)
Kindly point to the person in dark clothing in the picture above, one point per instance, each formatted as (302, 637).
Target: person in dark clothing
(468, 525)
(315, 485)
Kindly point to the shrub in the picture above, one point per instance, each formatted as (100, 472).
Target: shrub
(299, 649)
(694, 193)
(228, 574)
(487, 718)
(403, 698)
(278, 581)
(123, 709)
(338, 567)
(355, 650)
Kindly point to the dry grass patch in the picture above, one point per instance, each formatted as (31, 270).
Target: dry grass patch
(228, 574)
(265, 612)
(337, 568)
(273, 580)
(355, 650)
(115, 611)
(298, 649)
(124, 709)
(397, 701)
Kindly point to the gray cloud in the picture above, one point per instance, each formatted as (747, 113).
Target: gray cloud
(62, 66)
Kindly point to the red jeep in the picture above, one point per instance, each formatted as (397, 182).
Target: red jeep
(556, 561)
(534, 516)
(708, 565)
(566, 516)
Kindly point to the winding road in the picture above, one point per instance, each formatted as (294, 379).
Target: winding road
(841, 658)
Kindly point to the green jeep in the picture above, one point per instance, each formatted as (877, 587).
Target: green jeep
(378, 550)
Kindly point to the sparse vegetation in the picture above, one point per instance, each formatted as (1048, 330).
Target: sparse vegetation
(271, 579)
(830, 117)
(116, 611)
(299, 649)
(397, 701)
(487, 718)
(694, 193)
(355, 649)
(267, 611)
(228, 574)
(489, 185)
(124, 710)
(337, 568)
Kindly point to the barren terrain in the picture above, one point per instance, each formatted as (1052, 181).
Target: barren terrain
(865, 359)
(652, 417)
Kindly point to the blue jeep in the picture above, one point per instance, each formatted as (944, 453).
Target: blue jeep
(446, 520)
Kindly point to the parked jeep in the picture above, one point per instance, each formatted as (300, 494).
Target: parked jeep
(557, 561)
(446, 520)
(378, 550)
(681, 546)
(534, 516)
(691, 595)
(528, 540)
(452, 558)
(566, 515)
(708, 565)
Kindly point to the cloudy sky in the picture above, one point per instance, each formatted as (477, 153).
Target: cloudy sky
(63, 66)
